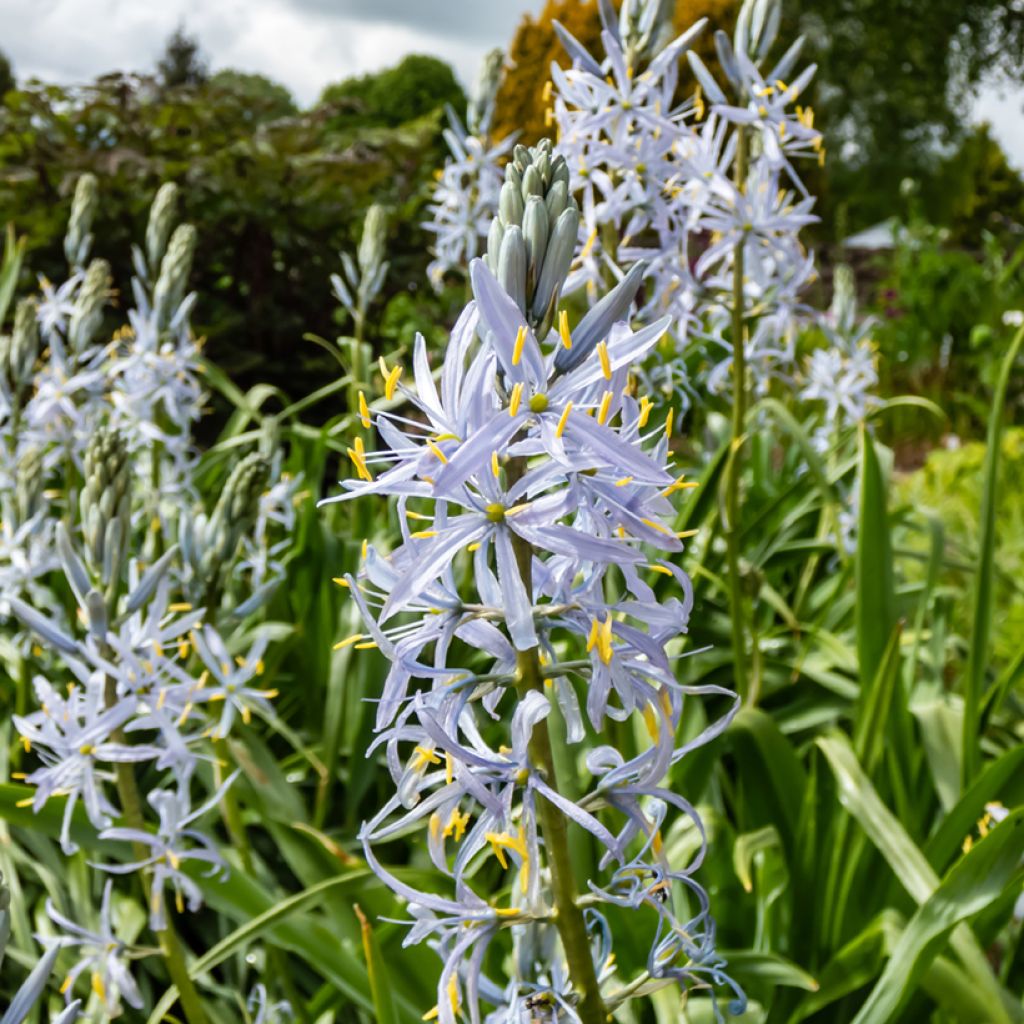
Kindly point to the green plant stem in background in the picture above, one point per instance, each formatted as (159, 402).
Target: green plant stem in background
(554, 828)
(170, 945)
(981, 632)
(734, 469)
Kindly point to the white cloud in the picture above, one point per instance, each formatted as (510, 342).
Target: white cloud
(305, 44)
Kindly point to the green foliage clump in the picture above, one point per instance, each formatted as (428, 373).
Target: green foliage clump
(414, 88)
(950, 484)
(939, 315)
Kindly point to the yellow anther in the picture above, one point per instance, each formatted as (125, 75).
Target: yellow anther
(652, 721)
(517, 349)
(87, 750)
(340, 581)
(698, 105)
(424, 756)
(390, 378)
(604, 641)
(646, 405)
(655, 525)
(679, 485)
(364, 411)
(625, 481)
(664, 570)
(349, 641)
(97, 985)
(547, 90)
(449, 768)
(359, 462)
(369, 645)
(179, 606)
(563, 419)
(437, 451)
(502, 841)
(606, 363)
(668, 422)
(456, 827)
(563, 329)
(602, 410)
(683, 534)
(588, 246)
(515, 399)
(495, 465)
(424, 534)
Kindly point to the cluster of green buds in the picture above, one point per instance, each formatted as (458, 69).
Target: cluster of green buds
(78, 239)
(162, 217)
(175, 268)
(19, 351)
(87, 316)
(481, 103)
(105, 505)
(644, 26)
(363, 277)
(532, 240)
(209, 544)
(28, 490)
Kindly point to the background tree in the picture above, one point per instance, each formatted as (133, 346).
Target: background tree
(894, 83)
(6, 74)
(182, 62)
(416, 86)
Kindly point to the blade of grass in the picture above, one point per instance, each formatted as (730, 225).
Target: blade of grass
(376, 967)
(876, 602)
(981, 627)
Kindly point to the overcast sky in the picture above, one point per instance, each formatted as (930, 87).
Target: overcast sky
(302, 43)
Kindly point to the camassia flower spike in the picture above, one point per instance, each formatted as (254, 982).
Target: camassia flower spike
(530, 602)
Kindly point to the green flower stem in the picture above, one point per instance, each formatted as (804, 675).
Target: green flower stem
(734, 470)
(170, 945)
(232, 815)
(553, 824)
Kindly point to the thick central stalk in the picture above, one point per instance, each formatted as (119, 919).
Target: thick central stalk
(553, 824)
(735, 464)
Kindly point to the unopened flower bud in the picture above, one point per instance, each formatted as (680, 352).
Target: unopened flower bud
(162, 215)
(105, 502)
(174, 273)
(23, 349)
(87, 317)
(78, 239)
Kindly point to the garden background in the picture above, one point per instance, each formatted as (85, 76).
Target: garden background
(883, 734)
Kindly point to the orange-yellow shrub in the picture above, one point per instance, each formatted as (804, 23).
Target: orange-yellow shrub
(520, 104)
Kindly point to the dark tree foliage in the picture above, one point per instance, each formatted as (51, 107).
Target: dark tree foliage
(182, 62)
(894, 86)
(6, 74)
(266, 100)
(276, 195)
(416, 86)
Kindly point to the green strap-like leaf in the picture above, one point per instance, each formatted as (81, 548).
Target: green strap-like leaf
(973, 883)
(981, 629)
(908, 863)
